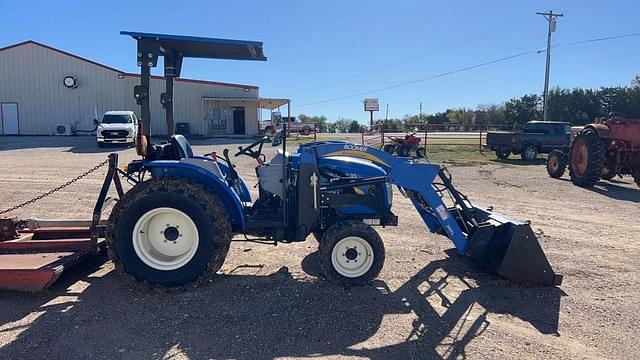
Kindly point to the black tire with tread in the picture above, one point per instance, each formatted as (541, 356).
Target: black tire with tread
(609, 174)
(503, 154)
(421, 153)
(402, 151)
(595, 158)
(338, 232)
(194, 199)
(389, 148)
(561, 158)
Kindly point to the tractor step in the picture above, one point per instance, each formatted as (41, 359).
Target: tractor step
(37, 257)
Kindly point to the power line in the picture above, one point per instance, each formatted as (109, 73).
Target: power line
(445, 47)
(424, 78)
(468, 68)
(597, 39)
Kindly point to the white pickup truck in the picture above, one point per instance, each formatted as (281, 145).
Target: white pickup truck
(117, 127)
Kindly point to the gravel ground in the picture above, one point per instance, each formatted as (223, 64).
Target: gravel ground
(271, 302)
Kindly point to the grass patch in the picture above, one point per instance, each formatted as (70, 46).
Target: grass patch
(458, 154)
(462, 151)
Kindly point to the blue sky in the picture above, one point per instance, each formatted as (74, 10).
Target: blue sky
(329, 49)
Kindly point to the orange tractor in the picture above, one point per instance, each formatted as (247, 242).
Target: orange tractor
(600, 151)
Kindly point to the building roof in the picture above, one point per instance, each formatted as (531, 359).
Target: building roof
(263, 103)
(120, 72)
(201, 47)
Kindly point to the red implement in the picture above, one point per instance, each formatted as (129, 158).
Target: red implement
(36, 259)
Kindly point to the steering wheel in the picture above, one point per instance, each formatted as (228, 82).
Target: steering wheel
(249, 149)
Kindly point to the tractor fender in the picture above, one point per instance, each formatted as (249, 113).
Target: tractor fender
(602, 130)
(218, 186)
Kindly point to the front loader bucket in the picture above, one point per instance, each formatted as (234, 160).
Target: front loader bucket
(511, 249)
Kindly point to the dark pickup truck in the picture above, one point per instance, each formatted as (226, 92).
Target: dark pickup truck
(537, 137)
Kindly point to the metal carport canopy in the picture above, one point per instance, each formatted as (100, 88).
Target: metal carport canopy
(202, 47)
(263, 103)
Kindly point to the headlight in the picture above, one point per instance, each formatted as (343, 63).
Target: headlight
(389, 194)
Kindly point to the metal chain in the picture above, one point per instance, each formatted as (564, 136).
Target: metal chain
(41, 196)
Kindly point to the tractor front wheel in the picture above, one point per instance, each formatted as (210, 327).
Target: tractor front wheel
(421, 153)
(608, 173)
(556, 164)
(586, 158)
(351, 253)
(389, 148)
(169, 233)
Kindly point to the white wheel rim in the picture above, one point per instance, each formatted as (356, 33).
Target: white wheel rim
(352, 257)
(165, 238)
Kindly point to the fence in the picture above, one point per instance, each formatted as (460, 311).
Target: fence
(437, 134)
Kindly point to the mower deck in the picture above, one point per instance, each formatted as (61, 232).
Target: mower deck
(37, 258)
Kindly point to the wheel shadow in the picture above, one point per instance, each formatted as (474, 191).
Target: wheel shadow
(270, 316)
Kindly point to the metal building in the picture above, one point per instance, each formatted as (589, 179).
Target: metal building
(41, 87)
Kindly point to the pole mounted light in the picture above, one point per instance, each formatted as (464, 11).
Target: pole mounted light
(552, 19)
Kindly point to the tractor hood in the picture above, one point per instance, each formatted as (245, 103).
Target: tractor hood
(350, 166)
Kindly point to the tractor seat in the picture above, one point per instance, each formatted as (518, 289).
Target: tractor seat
(181, 147)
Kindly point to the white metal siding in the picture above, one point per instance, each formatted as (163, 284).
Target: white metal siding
(31, 75)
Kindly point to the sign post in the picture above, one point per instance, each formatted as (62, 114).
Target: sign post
(371, 105)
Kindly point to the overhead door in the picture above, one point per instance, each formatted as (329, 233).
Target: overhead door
(10, 119)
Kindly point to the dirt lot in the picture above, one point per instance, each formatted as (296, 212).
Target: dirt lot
(270, 302)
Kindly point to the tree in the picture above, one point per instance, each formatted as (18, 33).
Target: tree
(526, 108)
(320, 121)
(354, 127)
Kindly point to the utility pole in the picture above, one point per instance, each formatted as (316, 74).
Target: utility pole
(551, 19)
(386, 115)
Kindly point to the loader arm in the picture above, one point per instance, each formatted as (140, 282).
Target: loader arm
(507, 246)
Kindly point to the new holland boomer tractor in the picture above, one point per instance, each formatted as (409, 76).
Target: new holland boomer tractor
(175, 225)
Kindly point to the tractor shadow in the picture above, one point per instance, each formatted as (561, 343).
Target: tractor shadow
(520, 162)
(615, 189)
(277, 315)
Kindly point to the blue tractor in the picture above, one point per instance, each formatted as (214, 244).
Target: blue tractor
(174, 227)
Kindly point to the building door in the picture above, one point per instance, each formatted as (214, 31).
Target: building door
(238, 121)
(10, 119)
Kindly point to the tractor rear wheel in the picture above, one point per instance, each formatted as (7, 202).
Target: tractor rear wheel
(556, 163)
(169, 233)
(351, 253)
(389, 148)
(586, 158)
